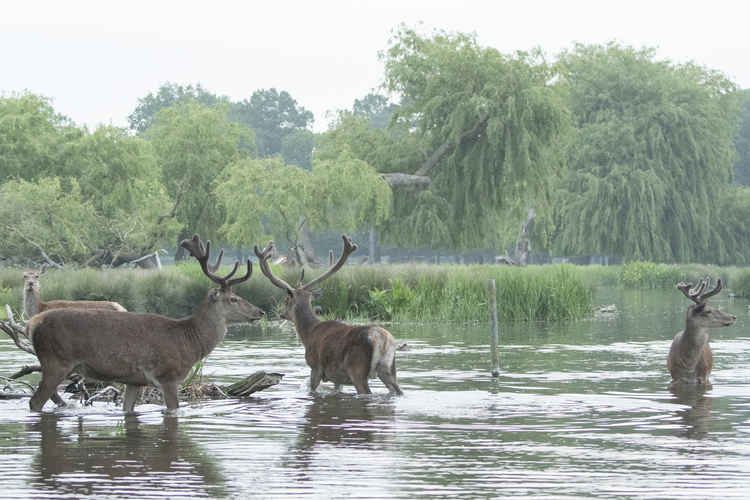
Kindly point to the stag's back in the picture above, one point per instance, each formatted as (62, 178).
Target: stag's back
(109, 345)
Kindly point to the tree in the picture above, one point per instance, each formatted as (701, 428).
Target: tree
(193, 145)
(376, 108)
(263, 196)
(742, 143)
(168, 95)
(43, 219)
(653, 154)
(118, 174)
(272, 115)
(296, 148)
(32, 137)
(490, 124)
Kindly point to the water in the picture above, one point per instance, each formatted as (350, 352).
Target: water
(580, 410)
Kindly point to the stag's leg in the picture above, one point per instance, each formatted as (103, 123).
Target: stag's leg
(389, 378)
(131, 396)
(315, 377)
(362, 386)
(169, 391)
(57, 399)
(51, 378)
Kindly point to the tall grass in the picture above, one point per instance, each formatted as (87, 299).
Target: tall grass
(456, 293)
(402, 292)
(398, 293)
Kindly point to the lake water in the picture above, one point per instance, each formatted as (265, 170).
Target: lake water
(580, 409)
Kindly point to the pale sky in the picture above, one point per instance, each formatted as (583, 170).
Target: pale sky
(95, 59)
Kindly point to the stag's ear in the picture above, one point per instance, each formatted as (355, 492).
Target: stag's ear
(214, 295)
(699, 307)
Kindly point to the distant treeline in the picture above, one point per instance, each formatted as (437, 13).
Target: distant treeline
(617, 153)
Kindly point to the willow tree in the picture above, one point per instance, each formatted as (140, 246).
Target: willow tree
(269, 198)
(489, 124)
(653, 154)
(193, 145)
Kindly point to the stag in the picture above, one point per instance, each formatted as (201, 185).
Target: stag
(690, 357)
(33, 304)
(137, 349)
(334, 351)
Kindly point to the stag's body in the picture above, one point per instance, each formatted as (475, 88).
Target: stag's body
(335, 351)
(690, 357)
(33, 303)
(134, 348)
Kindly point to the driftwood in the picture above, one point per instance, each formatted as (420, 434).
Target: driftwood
(16, 331)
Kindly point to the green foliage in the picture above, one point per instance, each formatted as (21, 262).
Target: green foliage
(31, 137)
(742, 143)
(46, 215)
(649, 275)
(169, 94)
(741, 284)
(193, 145)
(296, 148)
(342, 193)
(272, 115)
(652, 156)
(376, 109)
(455, 293)
(498, 119)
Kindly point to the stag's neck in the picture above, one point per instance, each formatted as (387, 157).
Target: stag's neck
(305, 320)
(207, 329)
(31, 301)
(694, 336)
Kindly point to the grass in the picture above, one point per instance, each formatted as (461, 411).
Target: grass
(404, 292)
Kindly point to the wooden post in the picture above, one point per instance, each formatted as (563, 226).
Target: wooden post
(494, 336)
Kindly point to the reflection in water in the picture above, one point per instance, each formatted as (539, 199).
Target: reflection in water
(581, 410)
(134, 458)
(696, 418)
(338, 422)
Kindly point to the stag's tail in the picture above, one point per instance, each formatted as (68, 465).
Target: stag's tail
(383, 362)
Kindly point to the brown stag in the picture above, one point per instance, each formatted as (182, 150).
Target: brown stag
(690, 357)
(33, 303)
(137, 349)
(334, 351)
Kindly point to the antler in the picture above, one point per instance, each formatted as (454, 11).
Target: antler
(201, 253)
(697, 294)
(266, 269)
(349, 248)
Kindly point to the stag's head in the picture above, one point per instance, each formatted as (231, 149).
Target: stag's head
(299, 298)
(31, 278)
(231, 306)
(701, 314)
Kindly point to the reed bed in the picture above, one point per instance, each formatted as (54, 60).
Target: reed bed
(403, 292)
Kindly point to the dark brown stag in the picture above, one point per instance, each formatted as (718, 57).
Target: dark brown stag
(334, 351)
(137, 349)
(690, 357)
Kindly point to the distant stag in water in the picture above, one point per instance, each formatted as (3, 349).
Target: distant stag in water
(334, 351)
(137, 349)
(690, 358)
(33, 304)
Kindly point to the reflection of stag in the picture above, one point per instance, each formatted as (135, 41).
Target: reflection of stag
(154, 458)
(690, 358)
(697, 418)
(339, 422)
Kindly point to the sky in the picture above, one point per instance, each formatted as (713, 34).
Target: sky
(95, 59)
